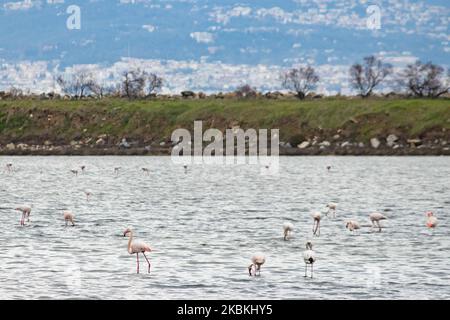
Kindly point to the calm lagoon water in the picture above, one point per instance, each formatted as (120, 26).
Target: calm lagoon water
(204, 225)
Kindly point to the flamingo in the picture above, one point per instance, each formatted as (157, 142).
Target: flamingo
(352, 225)
(317, 216)
(116, 170)
(288, 228)
(257, 261)
(432, 221)
(69, 217)
(309, 257)
(9, 167)
(82, 168)
(328, 168)
(136, 247)
(26, 211)
(185, 168)
(146, 170)
(88, 194)
(332, 207)
(74, 171)
(376, 217)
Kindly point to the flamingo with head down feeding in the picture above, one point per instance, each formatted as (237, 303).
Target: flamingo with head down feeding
(257, 261)
(69, 217)
(432, 221)
(332, 207)
(136, 247)
(26, 212)
(352, 225)
(317, 216)
(376, 217)
(288, 228)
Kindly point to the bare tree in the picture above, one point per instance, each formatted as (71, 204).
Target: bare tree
(15, 92)
(154, 83)
(425, 80)
(367, 76)
(133, 83)
(246, 91)
(76, 84)
(301, 80)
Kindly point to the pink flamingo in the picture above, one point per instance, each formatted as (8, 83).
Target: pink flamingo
(88, 194)
(352, 225)
(317, 216)
(136, 247)
(26, 211)
(69, 217)
(432, 221)
(257, 261)
(376, 217)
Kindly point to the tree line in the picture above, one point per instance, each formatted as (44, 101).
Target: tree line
(418, 79)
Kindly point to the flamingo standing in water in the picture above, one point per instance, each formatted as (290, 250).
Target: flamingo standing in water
(288, 228)
(332, 207)
(352, 225)
(317, 216)
(146, 170)
(69, 217)
(257, 261)
(185, 168)
(74, 171)
(309, 257)
(432, 221)
(376, 217)
(116, 170)
(82, 168)
(26, 211)
(136, 247)
(88, 194)
(9, 167)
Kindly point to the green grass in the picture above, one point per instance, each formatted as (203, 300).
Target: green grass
(155, 120)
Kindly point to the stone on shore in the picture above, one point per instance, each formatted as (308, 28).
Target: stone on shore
(375, 143)
(391, 140)
(304, 145)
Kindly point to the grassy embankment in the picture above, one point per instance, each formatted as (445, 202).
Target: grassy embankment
(151, 122)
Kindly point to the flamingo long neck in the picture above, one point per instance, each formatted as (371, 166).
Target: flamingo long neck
(129, 241)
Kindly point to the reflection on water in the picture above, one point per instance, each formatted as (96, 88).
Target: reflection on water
(204, 226)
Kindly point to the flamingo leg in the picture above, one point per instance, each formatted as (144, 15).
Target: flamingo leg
(379, 226)
(148, 261)
(312, 270)
(137, 262)
(306, 269)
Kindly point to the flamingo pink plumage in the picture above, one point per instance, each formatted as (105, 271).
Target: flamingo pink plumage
(69, 217)
(136, 247)
(26, 212)
(432, 221)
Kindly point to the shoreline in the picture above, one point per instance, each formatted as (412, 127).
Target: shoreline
(329, 126)
(294, 152)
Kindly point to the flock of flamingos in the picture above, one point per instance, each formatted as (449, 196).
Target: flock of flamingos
(254, 269)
